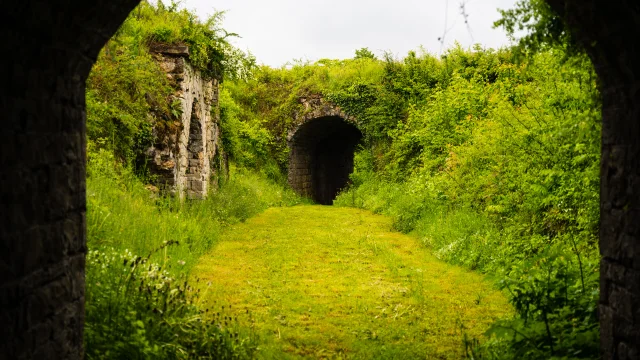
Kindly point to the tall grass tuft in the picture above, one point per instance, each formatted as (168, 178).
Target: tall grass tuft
(136, 309)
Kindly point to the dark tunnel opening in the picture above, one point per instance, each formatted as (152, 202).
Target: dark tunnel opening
(321, 158)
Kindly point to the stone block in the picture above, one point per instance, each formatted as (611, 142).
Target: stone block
(197, 185)
(170, 49)
(194, 195)
(167, 165)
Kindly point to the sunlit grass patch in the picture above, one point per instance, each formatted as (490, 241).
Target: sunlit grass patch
(338, 282)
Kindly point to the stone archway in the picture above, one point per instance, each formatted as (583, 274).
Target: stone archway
(321, 147)
(321, 157)
(52, 46)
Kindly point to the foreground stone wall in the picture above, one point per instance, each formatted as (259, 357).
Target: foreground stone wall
(609, 31)
(183, 157)
(53, 45)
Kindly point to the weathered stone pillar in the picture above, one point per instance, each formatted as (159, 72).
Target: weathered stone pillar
(609, 31)
(48, 51)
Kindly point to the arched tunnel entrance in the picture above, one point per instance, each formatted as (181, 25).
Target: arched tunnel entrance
(321, 157)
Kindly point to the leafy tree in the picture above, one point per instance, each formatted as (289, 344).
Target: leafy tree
(535, 25)
(365, 53)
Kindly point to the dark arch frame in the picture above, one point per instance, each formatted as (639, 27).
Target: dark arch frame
(52, 45)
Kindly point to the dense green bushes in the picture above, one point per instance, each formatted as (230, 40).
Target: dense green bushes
(502, 176)
(136, 309)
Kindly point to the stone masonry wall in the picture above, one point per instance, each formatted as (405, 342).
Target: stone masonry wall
(300, 170)
(53, 45)
(182, 157)
(317, 120)
(300, 174)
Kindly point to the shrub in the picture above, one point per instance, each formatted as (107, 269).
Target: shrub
(135, 309)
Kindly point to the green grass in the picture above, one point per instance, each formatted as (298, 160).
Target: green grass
(123, 214)
(327, 282)
(138, 305)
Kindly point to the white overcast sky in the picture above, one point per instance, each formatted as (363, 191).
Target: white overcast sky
(278, 31)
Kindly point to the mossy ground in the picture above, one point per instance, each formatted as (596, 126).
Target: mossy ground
(328, 282)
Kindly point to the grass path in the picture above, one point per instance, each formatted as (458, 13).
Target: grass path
(329, 282)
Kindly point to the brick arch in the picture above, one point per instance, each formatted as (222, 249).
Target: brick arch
(314, 107)
(51, 47)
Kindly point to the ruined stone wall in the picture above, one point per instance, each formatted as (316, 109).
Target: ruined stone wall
(182, 157)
